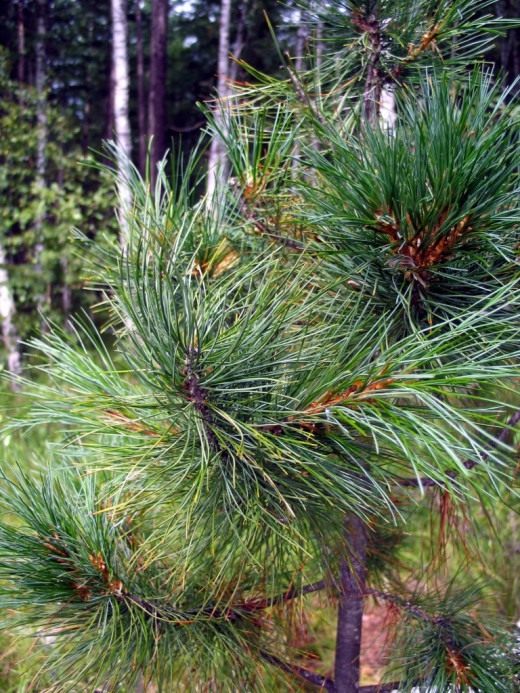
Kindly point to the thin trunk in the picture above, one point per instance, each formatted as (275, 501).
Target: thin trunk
(121, 120)
(157, 102)
(87, 108)
(238, 45)
(85, 127)
(41, 146)
(218, 163)
(7, 312)
(109, 132)
(141, 102)
(66, 293)
(299, 64)
(20, 32)
(378, 106)
(387, 111)
(350, 612)
(319, 64)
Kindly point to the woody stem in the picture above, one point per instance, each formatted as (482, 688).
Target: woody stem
(350, 611)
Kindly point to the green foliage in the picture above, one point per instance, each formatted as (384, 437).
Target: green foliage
(97, 597)
(442, 646)
(335, 328)
(430, 225)
(78, 196)
(250, 407)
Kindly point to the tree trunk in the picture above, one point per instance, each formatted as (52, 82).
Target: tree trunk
(217, 163)
(238, 44)
(87, 108)
(7, 312)
(109, 132)
(299, 64)
(350, 612)
(157, 102)
(41, 147)
(378, 107)
(387, 111)
(20, 32)
(121, 120)
(141, 102)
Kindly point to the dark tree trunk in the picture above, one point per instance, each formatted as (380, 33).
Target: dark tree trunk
(86, 123)
(41, 144)
(141, 101)
(20, 32)
(109, 133)
(157, 102)
(350, 612)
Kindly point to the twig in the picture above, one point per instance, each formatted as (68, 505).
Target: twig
(374, 80)
(309, 676)
(266, 231)
(292, 593)
(470, 463)
(323, 682)
(403, 604)
(302, 94)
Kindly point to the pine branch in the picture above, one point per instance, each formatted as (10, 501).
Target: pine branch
(197, 395)
(288, 595)
(403, 604)
(324, 682)
(427, 482)
(265, 230)
(308, 676)
(374, 79)
(302, 94)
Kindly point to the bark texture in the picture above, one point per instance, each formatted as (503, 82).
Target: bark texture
(350, 613)
(141, 100)
(20, 32)
(7, 313)
(120, 101)
(217, 163)
(157, 99)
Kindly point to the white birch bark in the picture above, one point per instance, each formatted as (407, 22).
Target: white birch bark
(217, 163)
(299, 64)
(387, 110)
(7, 312)
(121, 119)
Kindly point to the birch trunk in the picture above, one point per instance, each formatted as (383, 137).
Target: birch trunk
(217, 162)
(157, 102)
(387, 110)
(299, 64)
(7, 313)
(121, 120)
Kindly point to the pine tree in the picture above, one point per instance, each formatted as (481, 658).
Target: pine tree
(299, 365)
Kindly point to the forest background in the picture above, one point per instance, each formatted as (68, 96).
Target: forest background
(59, 103)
